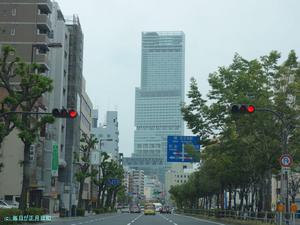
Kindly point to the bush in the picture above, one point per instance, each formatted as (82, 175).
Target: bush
(98, 211)
(80, 212)
(106, 210)
(34, 211)
(9, 213)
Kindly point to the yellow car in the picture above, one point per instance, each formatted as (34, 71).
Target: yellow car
(149, 209)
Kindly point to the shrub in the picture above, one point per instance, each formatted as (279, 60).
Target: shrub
(9, 213)
(80, 211)
(34, 211)
(106, 209)
(98, 211)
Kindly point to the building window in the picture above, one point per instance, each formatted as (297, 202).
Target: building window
(14, 12)
(12, 31)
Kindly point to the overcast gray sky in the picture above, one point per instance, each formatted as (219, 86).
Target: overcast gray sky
(214, 29)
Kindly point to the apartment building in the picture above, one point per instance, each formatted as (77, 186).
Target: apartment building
(26, 25)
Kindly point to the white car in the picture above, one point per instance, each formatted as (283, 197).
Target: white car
(125, 209)
(5, 205)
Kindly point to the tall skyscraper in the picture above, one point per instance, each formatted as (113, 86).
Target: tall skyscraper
(158, 100)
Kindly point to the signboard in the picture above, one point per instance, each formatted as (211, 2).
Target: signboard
(54, 163)
(178, 145)
(95, 158)
(280, 207)
(286, 160)
(294, 208)
(113, 181)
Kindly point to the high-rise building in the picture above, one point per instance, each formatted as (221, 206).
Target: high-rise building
(158, 100)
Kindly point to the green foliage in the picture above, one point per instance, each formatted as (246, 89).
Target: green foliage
(9, 213)
(23, 97)
(98, 211)
(34, 211)
(241, 151)
(80, 211)
(82, 160)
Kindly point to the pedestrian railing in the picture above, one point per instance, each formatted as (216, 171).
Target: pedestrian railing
(266, 217)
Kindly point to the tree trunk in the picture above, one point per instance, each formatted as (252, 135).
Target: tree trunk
(26, 177)
(98, 196)
(247, 200)
(218, 201)
(108, 199)
(80, 201)
(102, 197)
(241, 195)
(260, 198)
(268, 191)
(230, 198)
(114, 199)
(222, 198)
(210, 199)
(234, 200)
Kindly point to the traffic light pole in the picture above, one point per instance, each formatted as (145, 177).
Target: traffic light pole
(24, 112)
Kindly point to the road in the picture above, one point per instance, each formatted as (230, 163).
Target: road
(134, 219)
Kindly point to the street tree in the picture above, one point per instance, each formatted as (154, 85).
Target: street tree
(22, 87)
(82, 160)
(252, 142)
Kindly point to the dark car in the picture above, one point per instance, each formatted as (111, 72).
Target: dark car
(135, 209)
(165, 209)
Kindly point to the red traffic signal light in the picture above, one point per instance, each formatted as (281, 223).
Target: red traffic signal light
(72, 113)
(63, 113)
(243, 108)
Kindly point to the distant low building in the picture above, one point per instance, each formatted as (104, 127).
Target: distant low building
(178, 174)
(107, 133)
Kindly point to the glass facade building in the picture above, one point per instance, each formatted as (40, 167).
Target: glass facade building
(158, 100)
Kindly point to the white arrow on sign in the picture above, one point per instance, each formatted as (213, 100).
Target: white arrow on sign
(286, 160)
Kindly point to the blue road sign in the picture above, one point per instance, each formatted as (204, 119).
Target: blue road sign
(176, 150)
(113, 181)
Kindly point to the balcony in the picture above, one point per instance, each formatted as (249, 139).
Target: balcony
(42, 38)
(43, 22)
(45, 6)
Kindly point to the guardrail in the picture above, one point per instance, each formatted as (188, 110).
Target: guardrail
(266, 217)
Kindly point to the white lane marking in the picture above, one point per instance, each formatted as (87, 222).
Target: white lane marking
(202, 220)
(129, 224)
(175, 223)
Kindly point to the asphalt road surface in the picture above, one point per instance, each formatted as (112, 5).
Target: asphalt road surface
(134, 219)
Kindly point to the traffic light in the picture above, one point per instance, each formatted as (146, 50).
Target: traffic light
(243, 108)
(63, 113)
